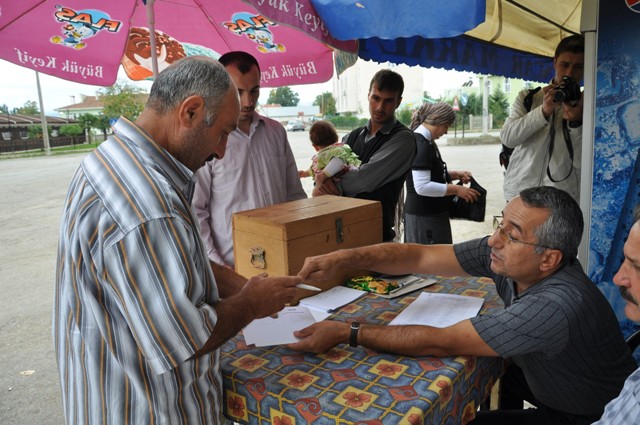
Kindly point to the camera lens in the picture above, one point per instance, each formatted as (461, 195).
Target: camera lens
(559, 96)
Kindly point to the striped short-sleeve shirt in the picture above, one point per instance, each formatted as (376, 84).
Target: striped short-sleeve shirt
(561, 332)
(134, 291)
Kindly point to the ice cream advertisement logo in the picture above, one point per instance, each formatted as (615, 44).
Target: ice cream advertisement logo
(634, 5)
(80, 25)
(255, 28)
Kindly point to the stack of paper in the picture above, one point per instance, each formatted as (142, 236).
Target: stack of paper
(439, 310)
(270, 331)
(332, 299)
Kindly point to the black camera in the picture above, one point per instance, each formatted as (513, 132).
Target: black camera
(567, 91)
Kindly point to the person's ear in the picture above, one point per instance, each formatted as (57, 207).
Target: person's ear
(551, 259)
(191, 111)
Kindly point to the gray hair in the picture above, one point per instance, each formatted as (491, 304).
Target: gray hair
(439, 113)
(190, 76)
(563, 229)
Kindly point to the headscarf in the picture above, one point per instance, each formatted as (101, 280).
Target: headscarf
(439, 113)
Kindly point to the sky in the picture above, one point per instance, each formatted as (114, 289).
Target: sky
(18, 85)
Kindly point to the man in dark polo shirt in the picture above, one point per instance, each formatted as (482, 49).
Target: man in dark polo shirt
(568, 356)
(386, 148)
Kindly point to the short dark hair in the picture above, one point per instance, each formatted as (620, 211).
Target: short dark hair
(242, 60)
(323, 133)
(563, 229)
(573, 43)
(387, 80)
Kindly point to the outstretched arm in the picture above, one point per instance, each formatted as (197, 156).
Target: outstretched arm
(389, 258)
(413, 340)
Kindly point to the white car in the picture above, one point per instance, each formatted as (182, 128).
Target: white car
(296, 125)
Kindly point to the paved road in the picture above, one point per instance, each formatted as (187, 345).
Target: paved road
(33, 191)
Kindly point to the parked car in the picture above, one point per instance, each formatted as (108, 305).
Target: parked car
(296, 125)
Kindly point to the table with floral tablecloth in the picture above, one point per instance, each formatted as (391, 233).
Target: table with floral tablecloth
(275, 385)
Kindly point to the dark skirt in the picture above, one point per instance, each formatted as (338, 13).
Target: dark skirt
(427, 230)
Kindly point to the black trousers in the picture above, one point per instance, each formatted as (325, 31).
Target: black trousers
(514, 391)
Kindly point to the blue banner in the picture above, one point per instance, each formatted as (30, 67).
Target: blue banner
(616, 171)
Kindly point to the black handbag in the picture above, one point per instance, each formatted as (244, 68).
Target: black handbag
(474, 211)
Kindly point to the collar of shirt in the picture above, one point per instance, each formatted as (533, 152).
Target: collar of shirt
(256, 119)
(386, 129)
(424, 131)
(177, 173)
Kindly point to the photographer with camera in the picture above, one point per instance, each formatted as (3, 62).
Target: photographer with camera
(544, 128)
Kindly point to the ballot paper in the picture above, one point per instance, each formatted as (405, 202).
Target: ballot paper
(269, 331)
(439, 310)
(332, 299)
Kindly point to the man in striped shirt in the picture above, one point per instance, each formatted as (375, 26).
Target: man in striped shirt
(139, 312)
(625, 409)
(568, 356)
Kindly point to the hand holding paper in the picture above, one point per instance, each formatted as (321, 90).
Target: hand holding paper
(270, 331)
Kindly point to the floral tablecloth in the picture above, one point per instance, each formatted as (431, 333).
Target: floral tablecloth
(274, 385)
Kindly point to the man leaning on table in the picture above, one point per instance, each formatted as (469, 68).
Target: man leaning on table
(140, 313)
(568, 356)
(625, 409)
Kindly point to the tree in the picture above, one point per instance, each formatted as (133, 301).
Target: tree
(88, 121)
(404, 115)
(283, 96)
(71, 130)
(326, 102)
(473, 106)
(4, 109)
(103, 123)
(498, 107)
(122, 99)
(30, 107)
(35, 131)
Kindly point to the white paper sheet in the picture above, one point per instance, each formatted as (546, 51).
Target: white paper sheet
(270, 331)
(332, 299)
(439, 310)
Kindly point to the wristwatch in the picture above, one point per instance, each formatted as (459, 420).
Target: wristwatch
(353, 336)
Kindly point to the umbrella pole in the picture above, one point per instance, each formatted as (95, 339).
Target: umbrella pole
(43, 118)
(151, 21)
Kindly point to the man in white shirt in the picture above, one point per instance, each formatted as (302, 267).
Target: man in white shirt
(546, 134)
(259, 169)
(626, 408)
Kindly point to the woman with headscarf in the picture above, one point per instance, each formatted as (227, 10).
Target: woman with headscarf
(429, 187)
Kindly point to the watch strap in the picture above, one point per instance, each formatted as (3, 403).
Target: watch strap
(575, 124)
(353, 336)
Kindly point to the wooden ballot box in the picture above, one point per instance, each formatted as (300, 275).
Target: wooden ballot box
(277, 239)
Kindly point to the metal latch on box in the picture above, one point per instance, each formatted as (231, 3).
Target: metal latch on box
(258, 257)
(339, 233)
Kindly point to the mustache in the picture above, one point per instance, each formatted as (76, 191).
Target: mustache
(624, 291)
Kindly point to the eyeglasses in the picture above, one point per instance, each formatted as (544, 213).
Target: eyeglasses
(506, 237)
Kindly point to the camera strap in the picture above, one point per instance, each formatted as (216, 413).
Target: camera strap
(567, 140)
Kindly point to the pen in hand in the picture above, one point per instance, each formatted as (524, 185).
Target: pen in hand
(308, 287)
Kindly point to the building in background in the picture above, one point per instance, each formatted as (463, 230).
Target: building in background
(87, 105)
(351, 89)
(306, 114)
